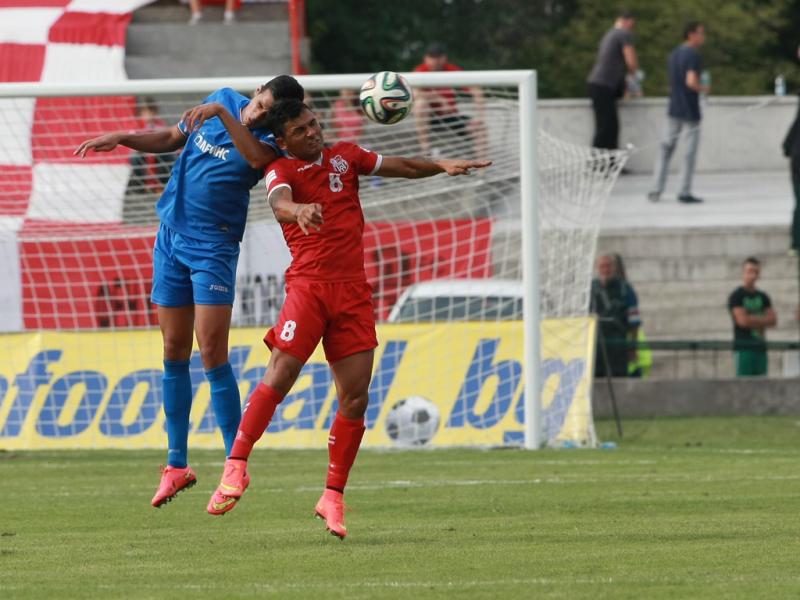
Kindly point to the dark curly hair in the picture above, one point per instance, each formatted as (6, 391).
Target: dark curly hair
(282, 112)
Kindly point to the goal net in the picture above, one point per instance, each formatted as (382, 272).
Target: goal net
(80, 363)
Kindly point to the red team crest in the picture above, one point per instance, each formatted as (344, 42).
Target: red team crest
(339, 164)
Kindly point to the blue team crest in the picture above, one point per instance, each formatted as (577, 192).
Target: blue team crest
(339, 164)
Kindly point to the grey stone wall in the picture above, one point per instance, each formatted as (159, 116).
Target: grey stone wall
(739, 133)
(698, 398)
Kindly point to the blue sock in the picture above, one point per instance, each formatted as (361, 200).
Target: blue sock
(226, 402)
(177, 387)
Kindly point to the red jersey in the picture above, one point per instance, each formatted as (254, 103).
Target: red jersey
(448, 95)
(336, 251)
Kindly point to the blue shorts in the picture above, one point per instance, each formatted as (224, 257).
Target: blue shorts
(190, 271)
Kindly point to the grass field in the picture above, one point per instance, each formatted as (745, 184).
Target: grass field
(682, 508)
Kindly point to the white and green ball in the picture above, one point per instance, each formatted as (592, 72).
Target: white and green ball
(386, 98)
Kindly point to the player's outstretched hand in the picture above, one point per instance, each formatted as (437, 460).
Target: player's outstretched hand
(462, 167)
(104, 143)
(194, 118)
(309, 215)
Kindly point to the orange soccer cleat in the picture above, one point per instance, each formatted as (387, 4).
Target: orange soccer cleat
(331, 508)
(173, 481)
(234, 482)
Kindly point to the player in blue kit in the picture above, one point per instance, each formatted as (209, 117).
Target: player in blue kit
(203, 211)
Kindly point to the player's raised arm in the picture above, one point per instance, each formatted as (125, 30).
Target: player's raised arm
(257, 154)
(168, 139)
(288, 211)
(417, 168)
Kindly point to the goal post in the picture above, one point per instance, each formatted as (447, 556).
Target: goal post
(481, 282)
(530, 258)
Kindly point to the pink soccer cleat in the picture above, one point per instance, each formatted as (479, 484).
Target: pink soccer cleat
(173, 481)
(234, 482)
(331, 508)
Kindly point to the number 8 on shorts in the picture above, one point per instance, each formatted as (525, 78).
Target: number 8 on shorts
(287, 333)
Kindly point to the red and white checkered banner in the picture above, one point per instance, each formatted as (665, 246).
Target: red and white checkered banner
(58, 41)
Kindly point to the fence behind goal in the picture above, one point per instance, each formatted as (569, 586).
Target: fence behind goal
(80, 364)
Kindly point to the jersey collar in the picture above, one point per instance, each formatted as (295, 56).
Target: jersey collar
(317, 162)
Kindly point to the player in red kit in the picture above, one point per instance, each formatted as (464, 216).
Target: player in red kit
(314, 195)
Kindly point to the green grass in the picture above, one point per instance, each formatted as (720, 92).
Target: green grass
(703, 508)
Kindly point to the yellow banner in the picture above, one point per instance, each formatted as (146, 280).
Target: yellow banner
(433, 384)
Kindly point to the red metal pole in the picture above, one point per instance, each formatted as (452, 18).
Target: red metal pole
(297, 29)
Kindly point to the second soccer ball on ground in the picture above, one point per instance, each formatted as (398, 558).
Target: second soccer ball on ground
(386, 98)
(413, 421)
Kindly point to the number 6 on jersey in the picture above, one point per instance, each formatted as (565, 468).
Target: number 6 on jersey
(336, 182)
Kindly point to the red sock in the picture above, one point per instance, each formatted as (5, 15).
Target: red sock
(256, 417)
(343, 444)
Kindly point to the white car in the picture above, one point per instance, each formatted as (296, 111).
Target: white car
(459, 300)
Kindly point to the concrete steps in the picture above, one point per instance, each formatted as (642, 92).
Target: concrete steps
(701, 242)
(712, 268)
(162, 45)
(683, 277)
(698, 294)
(172, 11)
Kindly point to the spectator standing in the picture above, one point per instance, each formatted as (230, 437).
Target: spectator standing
(791, 149)
(118, 298)
(610, 305)
(231, 6)
(752, 314)
(684, 66)
(437, 109)
(102, 306)
(616, 57)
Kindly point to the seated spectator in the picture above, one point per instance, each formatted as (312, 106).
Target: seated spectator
(611, 302)
(752, 314)
(347, 118)
(231, 6)
(437, 109)
(640, 359)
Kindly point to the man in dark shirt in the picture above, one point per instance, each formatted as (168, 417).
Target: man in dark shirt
(685, 66)
(616, 57)
(752, 313)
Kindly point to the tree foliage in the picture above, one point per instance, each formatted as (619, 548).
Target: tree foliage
(748, 41)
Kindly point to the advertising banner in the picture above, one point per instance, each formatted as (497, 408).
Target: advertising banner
(433, 385)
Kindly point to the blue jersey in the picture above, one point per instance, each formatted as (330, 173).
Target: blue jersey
(208, 191)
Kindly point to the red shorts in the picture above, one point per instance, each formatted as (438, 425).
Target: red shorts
(340, 314)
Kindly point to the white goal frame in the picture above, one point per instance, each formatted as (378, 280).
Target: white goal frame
(523, 80)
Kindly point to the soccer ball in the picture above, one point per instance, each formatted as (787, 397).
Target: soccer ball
(413, 421)
(386, 98)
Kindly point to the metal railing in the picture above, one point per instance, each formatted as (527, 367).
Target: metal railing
(709, 359)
